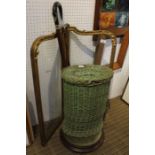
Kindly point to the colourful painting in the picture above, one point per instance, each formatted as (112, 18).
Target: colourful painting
(113, 15)
(121, 19)
(107, 19)
(108, 5)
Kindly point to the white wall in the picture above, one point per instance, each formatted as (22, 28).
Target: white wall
(40, 22)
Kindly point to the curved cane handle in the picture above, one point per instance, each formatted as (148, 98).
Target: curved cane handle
(57, 17)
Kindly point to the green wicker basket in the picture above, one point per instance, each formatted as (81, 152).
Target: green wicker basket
(85, 96)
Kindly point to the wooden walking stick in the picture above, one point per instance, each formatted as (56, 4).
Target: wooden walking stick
(62, 33)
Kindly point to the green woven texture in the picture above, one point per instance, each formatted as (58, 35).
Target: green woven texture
(87, 74)
(85, 96)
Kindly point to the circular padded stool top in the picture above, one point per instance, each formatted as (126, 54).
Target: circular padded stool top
(87, 74)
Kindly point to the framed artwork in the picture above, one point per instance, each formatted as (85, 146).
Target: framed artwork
(121, 19)
(113, 15)
(107, 19)
(108, 5)
(123, 5)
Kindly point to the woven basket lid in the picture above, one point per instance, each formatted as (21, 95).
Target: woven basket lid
(87, 74)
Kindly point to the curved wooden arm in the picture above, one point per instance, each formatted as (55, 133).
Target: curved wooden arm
(94, 32)
(101, 33)
(38, 41)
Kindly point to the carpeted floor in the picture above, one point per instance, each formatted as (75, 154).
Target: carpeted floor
(116, 129)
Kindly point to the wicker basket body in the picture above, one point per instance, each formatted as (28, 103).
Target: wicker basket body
(85, 97)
